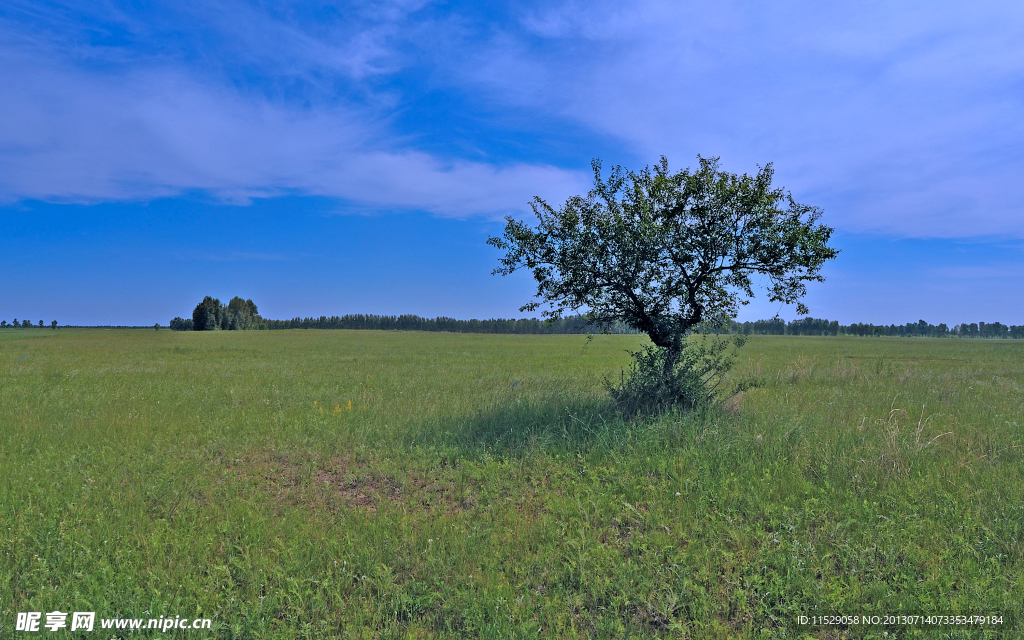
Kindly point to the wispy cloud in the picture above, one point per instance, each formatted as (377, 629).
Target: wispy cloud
(156, 127)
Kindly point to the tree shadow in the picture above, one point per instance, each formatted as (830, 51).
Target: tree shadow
(556, 424)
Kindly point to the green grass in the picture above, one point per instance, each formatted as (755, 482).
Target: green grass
(479, 486)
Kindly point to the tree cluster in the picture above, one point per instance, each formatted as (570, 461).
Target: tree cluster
(181, 324)
(212, 315)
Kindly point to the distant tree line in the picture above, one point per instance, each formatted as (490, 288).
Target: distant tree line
(211, 315)
(24, 324)
(408, 322)
(919, 329)
(239, 314)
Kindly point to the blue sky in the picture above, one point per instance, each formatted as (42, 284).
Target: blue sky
(353, 157)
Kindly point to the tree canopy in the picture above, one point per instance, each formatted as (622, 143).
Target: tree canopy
(663, 252)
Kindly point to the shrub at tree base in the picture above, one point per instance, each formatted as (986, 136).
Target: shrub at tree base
(690, 380)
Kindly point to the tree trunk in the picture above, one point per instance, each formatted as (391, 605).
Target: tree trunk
(672, 351)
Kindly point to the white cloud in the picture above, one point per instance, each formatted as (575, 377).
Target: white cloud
(901, 119)
(72, 135)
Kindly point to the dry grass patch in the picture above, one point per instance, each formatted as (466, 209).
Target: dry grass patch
(330, 483)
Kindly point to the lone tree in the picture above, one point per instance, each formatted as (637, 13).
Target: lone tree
(666, 253)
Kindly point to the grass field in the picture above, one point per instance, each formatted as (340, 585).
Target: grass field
(319, 484)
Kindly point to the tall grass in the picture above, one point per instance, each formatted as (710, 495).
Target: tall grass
(363, 484)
